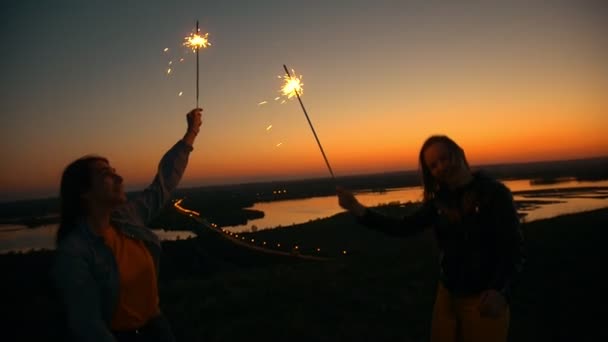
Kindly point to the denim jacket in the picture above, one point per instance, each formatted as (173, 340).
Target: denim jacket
(85, 271)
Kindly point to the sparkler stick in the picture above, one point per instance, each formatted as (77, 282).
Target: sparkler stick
(295, 90)
(195, 41)
(197, 48)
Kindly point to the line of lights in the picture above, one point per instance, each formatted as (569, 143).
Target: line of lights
(262, 244)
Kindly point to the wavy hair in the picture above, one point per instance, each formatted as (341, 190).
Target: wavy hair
(430, 184)
(75, 181)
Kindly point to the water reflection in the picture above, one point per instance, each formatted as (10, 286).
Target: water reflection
(286, 213)
(539, 202)
(19, 238)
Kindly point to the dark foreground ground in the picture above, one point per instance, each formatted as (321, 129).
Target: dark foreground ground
(381, 290)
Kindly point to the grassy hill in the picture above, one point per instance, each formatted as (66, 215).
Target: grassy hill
(382, 289)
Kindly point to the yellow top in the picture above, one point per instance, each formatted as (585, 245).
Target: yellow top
(138, 291)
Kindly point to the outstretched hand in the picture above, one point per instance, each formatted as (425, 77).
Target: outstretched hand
(347, 200)
(195, 120)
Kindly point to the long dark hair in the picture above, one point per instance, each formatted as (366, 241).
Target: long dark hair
(75, 181)
(430, 184)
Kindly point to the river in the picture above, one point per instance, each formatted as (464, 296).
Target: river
(285, 213)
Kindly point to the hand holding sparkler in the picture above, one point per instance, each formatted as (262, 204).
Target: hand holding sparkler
(348, 201)
(195, 120)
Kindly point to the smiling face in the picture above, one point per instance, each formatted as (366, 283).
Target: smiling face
(445, 166)
(106, 186)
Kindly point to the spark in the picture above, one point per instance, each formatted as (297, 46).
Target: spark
(269, 127)
(170, 62)
(180, 93)
(279, 144)
(277, 98)
(292, 85)
(263, 102)
(169, 71)
(195, 41)
(166, 49)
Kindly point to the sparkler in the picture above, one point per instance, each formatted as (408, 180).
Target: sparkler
(195, 41)
(293, 87)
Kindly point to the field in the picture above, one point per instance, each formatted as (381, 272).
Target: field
(381, 290)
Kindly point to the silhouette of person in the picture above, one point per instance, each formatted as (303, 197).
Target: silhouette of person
(106, 261)
(478, 234)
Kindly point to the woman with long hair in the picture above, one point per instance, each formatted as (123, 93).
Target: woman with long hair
(106, 263)
(478, 233)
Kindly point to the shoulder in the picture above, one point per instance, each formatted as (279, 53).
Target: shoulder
(485, 182)
(491, 190)
(75, 244)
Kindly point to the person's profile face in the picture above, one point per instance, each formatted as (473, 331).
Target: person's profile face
(106, 185)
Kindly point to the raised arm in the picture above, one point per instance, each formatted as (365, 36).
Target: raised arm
(394, 226)
(146, 205)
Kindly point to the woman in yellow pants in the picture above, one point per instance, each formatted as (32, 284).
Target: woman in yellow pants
(478, 233)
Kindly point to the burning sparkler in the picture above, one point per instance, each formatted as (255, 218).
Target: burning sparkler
(293, 84)
(196, 41)
(293, 87)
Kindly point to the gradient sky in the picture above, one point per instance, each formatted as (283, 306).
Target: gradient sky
(510, 82)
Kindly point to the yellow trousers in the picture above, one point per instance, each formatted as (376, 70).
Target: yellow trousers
(457, 319)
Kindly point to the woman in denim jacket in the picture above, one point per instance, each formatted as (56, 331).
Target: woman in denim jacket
(106, 262)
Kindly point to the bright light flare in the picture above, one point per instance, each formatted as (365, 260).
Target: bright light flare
(292, 85)
(195, 41)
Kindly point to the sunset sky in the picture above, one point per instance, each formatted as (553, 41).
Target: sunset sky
(512, 82)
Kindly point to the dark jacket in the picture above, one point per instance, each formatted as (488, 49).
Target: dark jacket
(477, 230)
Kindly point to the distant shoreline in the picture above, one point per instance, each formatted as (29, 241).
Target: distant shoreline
(587, 169)
(239, 214)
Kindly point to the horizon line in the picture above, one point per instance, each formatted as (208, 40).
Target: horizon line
(301, 179)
